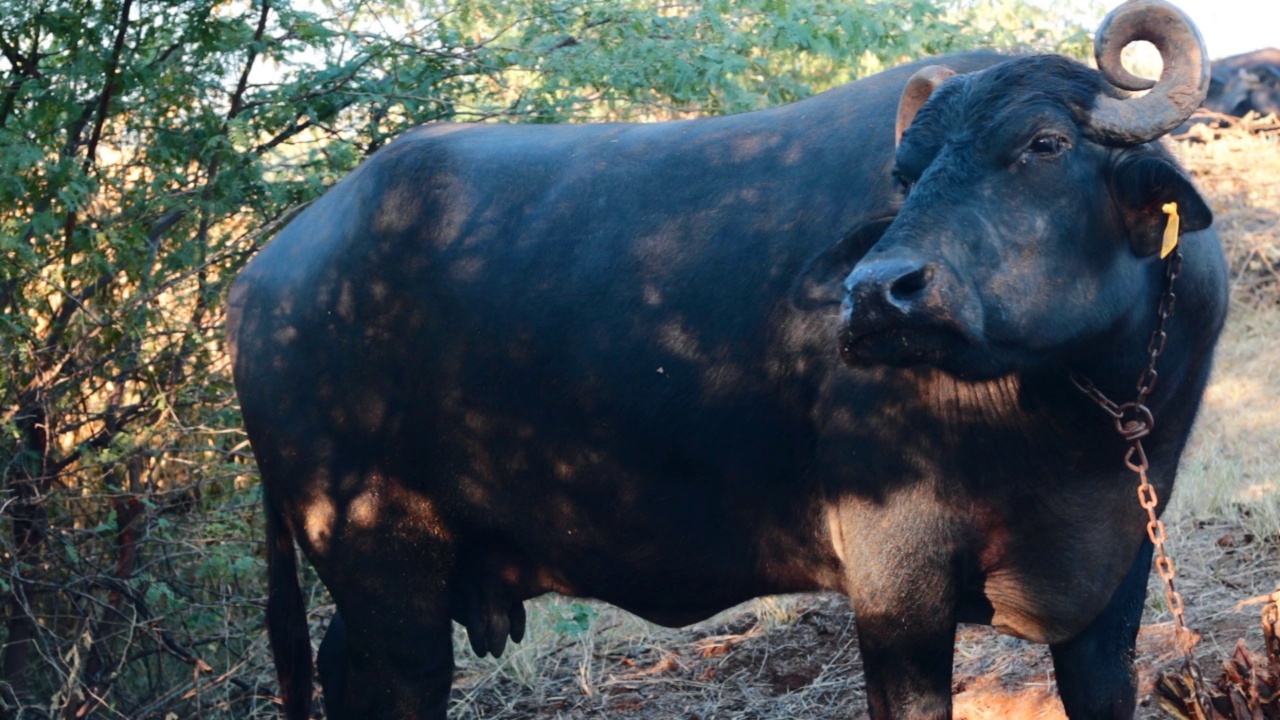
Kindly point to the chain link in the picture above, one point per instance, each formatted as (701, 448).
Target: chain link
(1134, 421)
(1149, 499)
(1155, 346)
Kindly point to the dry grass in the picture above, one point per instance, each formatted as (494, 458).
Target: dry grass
(780, 657)
(1240, 174)
(1232, 467)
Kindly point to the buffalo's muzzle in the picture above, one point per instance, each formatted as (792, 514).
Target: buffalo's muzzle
(896, 312)
(887, 287)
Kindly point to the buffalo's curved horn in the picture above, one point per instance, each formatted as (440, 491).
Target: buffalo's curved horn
(1183, 83)
(919, 88)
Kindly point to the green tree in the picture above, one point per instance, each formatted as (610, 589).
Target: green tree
(148, 148)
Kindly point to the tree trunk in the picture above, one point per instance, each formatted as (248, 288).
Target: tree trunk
(29, 482)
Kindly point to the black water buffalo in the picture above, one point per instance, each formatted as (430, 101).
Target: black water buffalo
(680, 365)
(1244, 83)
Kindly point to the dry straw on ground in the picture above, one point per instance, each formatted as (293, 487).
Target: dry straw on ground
(1234, 459)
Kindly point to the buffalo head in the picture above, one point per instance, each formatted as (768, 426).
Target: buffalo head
(1031, 214)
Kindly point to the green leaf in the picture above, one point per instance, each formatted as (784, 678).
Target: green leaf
(575, 619)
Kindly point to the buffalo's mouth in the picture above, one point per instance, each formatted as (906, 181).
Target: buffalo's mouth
(900, 347)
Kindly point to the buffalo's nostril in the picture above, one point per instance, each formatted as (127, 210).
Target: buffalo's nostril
(890, 287)
(909, 286)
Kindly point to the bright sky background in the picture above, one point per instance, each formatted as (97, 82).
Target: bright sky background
(1231, 27)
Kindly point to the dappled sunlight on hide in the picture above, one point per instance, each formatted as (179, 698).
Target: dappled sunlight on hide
(466, 270)
(746, 147)
(662, 252)
(680, 342)
(721, 380)
(399, 209)
(927, 413)
(319, 515)
(362, 509)
(993, 404)
(865, 410)
(285, 335)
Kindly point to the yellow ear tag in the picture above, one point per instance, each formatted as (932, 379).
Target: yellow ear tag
(1170, 230)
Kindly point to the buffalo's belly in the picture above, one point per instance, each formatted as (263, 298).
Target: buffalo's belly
(647, 528)
(538, 496)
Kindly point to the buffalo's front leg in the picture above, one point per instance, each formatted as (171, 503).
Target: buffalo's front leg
(907, 666)
(904, 605)
(1096, 677)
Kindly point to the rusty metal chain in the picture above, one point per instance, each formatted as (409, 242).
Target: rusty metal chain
(1134, 421)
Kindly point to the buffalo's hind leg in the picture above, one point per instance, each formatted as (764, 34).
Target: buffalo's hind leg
(1096, 676)
(386, 666)
(331, 662)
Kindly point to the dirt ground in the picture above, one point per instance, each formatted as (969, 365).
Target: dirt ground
(796, 657)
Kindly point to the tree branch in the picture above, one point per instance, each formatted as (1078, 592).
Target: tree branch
(237, 98)
(25, 67)
(109, 87)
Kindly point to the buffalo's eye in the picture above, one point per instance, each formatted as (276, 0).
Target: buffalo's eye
(1047, 145)
(903, 182)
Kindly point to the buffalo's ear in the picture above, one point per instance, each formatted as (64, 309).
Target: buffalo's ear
(1142, 185)
(916, 93)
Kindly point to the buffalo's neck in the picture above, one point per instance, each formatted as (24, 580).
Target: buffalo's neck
(1116, 364)
(1016, 427)
(1012, 435)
